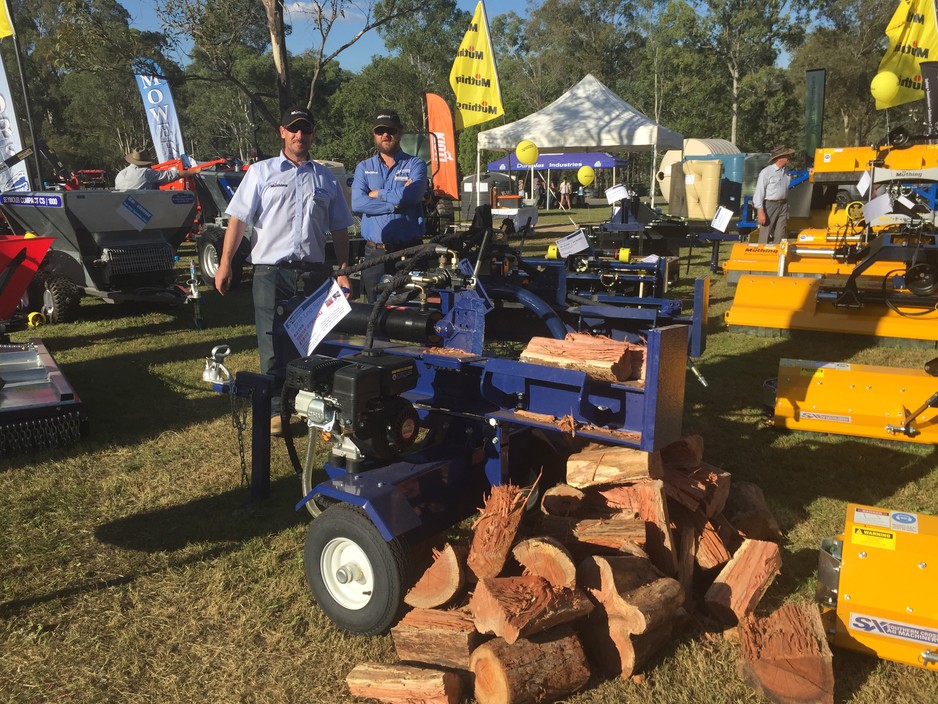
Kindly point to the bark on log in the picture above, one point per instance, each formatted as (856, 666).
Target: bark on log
(495, 530)
(562, 500)
(511, 607)
(785, 656)
(740, 585)
(631, 591)
(717, 488)
(589, 533)
(442, 581)
(687, 551)
(686, 453)
(435, 637)
(750, 514)
(542, 668)
(617, 652)
(646, 498)
(597, 464)
(547, 558)
(599, 357)
(403, 684)
(684, 488)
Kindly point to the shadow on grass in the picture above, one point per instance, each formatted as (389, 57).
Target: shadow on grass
(222, 518)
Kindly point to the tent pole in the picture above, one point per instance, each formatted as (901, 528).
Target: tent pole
(651, 186)
(478, 174)
(549, 193)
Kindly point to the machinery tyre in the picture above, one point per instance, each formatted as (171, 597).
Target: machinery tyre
(356, 577)
(60, 300)
(210, 246)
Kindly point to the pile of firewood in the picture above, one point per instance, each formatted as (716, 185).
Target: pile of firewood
(623, 555)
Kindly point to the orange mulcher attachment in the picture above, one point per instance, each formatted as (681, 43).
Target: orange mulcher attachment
(185, 184)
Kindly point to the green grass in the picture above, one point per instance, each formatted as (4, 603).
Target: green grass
(131, 569)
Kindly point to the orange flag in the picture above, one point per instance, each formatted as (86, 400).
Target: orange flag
(442, 146)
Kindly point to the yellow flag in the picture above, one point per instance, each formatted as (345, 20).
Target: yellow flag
(6, 27)
(913, 38)
(473, 76)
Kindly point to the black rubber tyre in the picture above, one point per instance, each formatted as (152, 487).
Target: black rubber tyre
(60, 299)
(210, 245)
(356, 577)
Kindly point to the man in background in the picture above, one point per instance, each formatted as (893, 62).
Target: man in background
(139, 174)
(770, 198)
(388, 190)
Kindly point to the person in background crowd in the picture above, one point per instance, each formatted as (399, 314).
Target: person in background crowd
(292, 202)
(388, 190)
(770, 198)
(566, 188)
(138, 174)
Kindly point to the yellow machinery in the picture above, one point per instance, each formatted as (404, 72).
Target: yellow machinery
(856, 399)
(877, 585)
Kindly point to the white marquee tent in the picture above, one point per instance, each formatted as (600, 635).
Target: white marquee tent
(588, 116)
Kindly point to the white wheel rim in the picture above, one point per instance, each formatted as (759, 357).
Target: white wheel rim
(210, 263)
(347, 573)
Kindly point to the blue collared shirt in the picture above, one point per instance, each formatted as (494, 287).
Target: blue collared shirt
(396, 215)
(291, 208)
(772, 184)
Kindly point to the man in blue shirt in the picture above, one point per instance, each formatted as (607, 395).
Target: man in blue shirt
(388, 190)
(292, 202)
(770, 199)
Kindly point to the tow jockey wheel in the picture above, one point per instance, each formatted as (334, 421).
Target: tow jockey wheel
(356, 576)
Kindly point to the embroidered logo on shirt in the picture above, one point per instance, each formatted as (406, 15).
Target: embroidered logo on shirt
(276, 185)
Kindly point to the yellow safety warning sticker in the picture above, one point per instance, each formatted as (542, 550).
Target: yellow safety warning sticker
(874, 538)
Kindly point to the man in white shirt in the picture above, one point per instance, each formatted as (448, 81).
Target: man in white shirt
(771, 197)
(292, 202)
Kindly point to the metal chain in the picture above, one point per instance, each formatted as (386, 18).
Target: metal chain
(239, 421)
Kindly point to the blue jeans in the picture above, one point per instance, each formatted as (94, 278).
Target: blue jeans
(274, 285)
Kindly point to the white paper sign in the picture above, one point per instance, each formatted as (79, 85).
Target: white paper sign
(616, 193)
(864, 183)
(572, 243)
(316, 316)
(876, 208)
(721, 219)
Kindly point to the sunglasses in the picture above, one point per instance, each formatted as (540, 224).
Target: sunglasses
(299, 128)
(385, 130)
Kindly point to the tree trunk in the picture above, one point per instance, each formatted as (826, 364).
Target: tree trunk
(278, 47)
(538, 669)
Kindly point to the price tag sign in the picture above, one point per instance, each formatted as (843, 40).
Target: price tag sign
(721, 219)
(316, 316)
(572, 243)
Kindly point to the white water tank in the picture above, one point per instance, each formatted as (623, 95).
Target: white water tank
(692, 148)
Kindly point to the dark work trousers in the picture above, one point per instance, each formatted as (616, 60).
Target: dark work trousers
(776, 227)
(372, 274)
(272, 285)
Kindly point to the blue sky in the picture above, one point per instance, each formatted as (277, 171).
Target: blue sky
(143, 16)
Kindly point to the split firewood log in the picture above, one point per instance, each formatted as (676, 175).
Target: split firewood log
(646, 499)
(736, 591)
(495, 530)
(598, 464)
(437, 637)
(442, 581)
(404, 684)
(616, 651)
(785, 656)
(511, 607)
(597, 356)
(562, 500)
(748, 511)
(686, 453)
(542, 668)
(548, 558)
(583, 535)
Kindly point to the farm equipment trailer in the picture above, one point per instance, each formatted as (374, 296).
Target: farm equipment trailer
(421, 417)
(113, 245)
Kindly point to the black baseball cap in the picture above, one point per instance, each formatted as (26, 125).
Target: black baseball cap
(387, 118)
(297, 114)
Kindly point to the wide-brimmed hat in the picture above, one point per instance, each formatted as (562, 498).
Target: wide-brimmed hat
(139, 157)
(295, 115)
(779, 152)
(387, 118)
